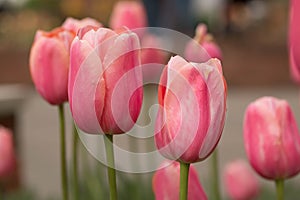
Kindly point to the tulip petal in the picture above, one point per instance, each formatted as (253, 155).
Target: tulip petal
(123, 62)
(86, 86)
(240, 181)
(74, 25)
(49, 68)
(217, 103)
(131, 14)
(8, 162)
(181, 138)
(174, 65)
(79, 52)
(294, 40)
(272, 139)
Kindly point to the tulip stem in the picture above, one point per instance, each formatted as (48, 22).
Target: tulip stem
(75, 168)
(215, 176)
(108, 141)
(63, 165)
(184, 179)
(280, 189)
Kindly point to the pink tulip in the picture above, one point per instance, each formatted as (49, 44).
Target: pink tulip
(165, 183)
(131, 14)
(192, 99)
(49, 64)
(74, 25)
(202, 48)
(272, 139)
(153, 58)
(105, 80)
(7, 156)
(240, 181)
(294, 40)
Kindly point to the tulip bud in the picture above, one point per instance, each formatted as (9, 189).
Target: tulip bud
(166, 180)
(131, 14)
(7, 156)
(294, 40)
(49, 64)
(202, 48)
(74, 25)
(272, 139)
(192, 99)
(105, 81)
(240, 181)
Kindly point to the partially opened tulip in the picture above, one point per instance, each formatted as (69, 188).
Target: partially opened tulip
(74, 25)
(8, 162)
(105, 68)
(49, 64)
(131, 14)
(165, 183)
(192, 99)
(240, 181)
(272, 139)
(203, 47)
(294, 40)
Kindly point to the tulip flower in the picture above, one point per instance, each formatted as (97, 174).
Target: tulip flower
(294, 40)
(105, 87)
(49, 64)
(105, 68)
(74, 25)
(190, 120)
(272, 140)
(165, 183)
(49, 67)
(202, 47)
(8, 162)
(131, 14)
(192, 99)
(240, 181)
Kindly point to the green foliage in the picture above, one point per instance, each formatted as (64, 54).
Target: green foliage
(21, 195)
(130, 186)
(51, 6)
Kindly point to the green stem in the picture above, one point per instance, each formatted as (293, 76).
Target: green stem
(184, 179)
(108, 141)
(64, 178)
(75, 169)
(280, 189)
(215, 176)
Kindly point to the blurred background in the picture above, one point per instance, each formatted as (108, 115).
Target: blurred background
(251, 33)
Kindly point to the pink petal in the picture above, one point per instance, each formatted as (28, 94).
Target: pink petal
(123, 78)
(272, 139)
(213, 78)
(49, 61)
(87, 71)
(74, 25)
